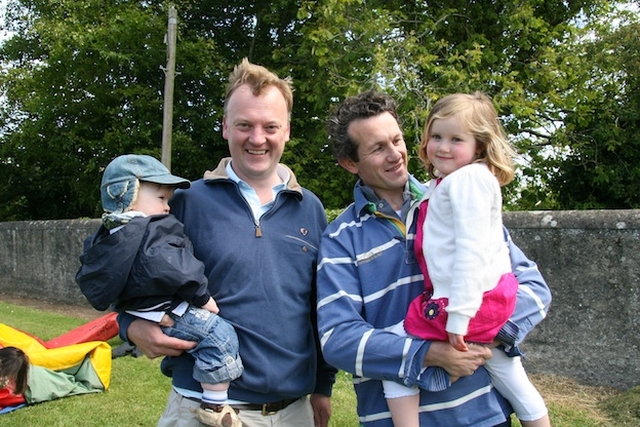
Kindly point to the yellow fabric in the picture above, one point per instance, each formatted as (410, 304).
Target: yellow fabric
(62, 358)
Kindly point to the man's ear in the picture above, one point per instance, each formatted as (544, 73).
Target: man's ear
(225, 130)
(349, 165)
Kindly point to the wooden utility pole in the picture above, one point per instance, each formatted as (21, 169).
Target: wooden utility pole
(169, 73)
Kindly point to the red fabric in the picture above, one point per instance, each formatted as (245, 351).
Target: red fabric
(427, 317)
(101, 329)
(8, 399)
(417, 245)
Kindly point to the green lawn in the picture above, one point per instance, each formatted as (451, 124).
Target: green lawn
(138, 391)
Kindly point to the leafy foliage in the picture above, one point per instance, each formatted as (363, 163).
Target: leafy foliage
(81, 83)
(600, 165)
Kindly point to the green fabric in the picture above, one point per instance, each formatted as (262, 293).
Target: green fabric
(45, 384)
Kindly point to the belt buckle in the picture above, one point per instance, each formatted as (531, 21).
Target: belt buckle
(266, 412)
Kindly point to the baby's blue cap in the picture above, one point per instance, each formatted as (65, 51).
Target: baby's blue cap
(121, 179)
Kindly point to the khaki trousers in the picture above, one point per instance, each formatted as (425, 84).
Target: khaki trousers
(179, 412)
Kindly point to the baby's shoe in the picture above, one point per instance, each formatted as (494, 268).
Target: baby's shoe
(217, 415)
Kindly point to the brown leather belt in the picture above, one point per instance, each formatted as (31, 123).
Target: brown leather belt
(266, 408)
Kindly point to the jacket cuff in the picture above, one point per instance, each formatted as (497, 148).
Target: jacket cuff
(413, 366)
(508, 334)
(434, 378)
(431, 378)
(200, 300)
(124, 320)
(324, 384)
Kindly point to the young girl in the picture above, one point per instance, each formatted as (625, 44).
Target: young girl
(14, 368)
(470, 290)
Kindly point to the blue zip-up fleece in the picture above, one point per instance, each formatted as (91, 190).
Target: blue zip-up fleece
(264, 286)
(146, 265)
(367, 276)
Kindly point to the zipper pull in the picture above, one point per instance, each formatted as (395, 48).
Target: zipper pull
(258, 230)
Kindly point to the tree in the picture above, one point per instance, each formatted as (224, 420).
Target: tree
(598, 163)
(420, 51)
(81, 84)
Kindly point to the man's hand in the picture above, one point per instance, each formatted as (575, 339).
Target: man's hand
(456, 363)
(149, 339)
(321, 409)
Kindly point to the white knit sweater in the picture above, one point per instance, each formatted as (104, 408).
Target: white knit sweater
(464, 242)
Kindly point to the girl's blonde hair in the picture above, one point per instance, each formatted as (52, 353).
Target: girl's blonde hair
(477, 114)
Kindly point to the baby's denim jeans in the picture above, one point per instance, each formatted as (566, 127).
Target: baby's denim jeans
(216, 355)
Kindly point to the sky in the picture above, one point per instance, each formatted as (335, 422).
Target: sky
(4, 34)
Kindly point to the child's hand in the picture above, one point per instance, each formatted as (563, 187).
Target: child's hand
(457, 342)
(211, 306)
(166, 321)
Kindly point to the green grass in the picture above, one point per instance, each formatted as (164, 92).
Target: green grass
(136, 396)
(138, 391)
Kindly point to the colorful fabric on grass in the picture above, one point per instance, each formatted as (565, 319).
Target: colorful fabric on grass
(56, 372)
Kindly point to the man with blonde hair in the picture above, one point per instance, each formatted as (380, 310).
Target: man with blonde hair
(257, 231)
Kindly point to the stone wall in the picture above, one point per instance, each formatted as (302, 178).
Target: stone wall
(590, 259)
(39, 259)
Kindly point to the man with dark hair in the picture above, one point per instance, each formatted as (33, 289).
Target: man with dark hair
(368, 274)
